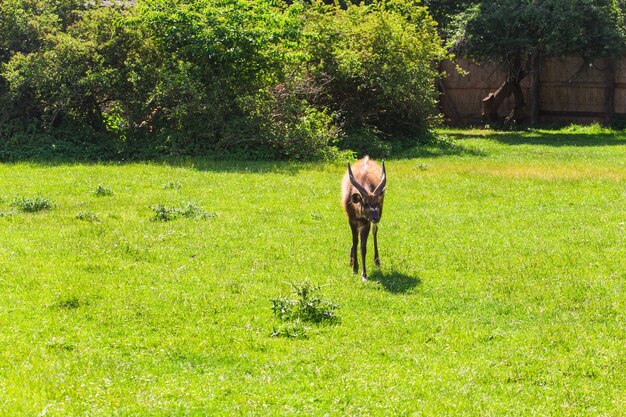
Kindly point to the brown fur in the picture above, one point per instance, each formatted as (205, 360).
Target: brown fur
(368, 173)
(363, 211)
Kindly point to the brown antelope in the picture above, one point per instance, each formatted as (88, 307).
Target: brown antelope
(362, 197)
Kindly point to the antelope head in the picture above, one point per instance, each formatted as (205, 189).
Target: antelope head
(370, 202)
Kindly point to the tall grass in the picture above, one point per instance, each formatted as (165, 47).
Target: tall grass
(501, 290)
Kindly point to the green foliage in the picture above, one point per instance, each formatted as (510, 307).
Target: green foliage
(188, 210)
(25, 24)
(172, 185)
(249, 79)
(102, 191)
(308, 306)
(293, 129)
(445, 12)
(375, 65)
(32, 204)
(510, 31)
(29, 141)
(76, 75)
(88, 216)
(214, 58)
(367, 141)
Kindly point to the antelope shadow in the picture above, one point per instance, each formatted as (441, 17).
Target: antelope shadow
(395, 282)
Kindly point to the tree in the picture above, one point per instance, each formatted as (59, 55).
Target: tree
(27, 29)
(446, 12)
(517, 34)
(378, 63)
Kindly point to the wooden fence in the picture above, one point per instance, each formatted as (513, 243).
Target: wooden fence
(570, 90)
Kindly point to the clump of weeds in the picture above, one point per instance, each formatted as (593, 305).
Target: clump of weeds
(88, 216)
(294, 330)
(190, 211)
(32, 204)
(69, 303)
(172, 185)
(102, 191)
(307, 305)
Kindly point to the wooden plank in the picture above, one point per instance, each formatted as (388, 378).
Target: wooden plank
(568, 87)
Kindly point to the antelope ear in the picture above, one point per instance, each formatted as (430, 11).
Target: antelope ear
(356, 198)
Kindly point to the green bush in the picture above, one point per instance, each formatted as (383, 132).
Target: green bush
(290, 128)
(377, 64)
(75, 74)
(367, 141)
(250, 79)
(212, 57)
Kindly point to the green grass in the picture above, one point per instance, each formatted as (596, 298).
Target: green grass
(501, 291)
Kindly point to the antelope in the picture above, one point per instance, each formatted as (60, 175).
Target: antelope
(362, 200)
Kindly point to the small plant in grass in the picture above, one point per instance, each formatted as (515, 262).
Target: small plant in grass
(172, 185)
(70, 303)
(189, 211)
(192, 211)
(102, 191)
(88, 216)
(163, 213)
(7, 213)
(32, 204)
(60, 344)
(294, 330)
(308, 306)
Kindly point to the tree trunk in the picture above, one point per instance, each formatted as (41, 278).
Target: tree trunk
(517, 114)
(492, 102)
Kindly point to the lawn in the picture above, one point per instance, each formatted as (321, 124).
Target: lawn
(146, 288)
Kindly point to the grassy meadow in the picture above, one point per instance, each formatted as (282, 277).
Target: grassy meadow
(146, 289)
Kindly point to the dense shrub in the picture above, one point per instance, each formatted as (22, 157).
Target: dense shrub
(378, 64)
(64, 94)
(253, 79)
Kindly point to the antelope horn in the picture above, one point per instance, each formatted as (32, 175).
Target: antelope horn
(383, 182)
(356, 184)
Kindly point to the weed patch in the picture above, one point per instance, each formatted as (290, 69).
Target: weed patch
(60, 345)
(308, 306)
(294, 330)
(32, 204)
(88, 216)
(70, 303)
(7, 213)
(102, 191)
(172, 185)
(190, 211)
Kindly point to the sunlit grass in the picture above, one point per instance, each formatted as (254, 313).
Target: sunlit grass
(501, 290)
(542, 171)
